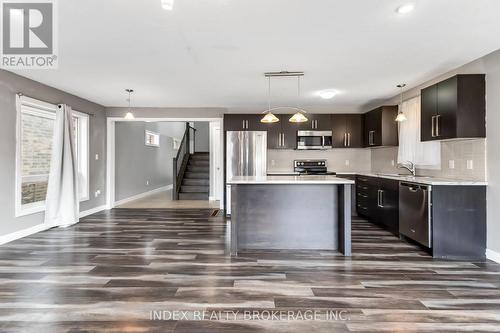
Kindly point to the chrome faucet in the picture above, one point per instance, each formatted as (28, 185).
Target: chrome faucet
(410, 166)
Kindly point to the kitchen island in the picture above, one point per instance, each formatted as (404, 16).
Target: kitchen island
(290, 213)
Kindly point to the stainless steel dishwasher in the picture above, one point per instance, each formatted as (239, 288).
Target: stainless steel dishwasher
(415, 213)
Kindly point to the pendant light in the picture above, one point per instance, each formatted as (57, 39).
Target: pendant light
(129, 115)
(298, 117)
(269, 117)
(401, 116)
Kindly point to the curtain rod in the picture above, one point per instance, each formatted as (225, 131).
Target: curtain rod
(58, 105)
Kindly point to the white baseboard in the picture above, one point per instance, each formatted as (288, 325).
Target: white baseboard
(92, 211)
(493, 255)
(23, 233)
(142, 195)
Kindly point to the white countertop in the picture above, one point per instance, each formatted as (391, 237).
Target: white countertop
(316, 179)
(418, 179)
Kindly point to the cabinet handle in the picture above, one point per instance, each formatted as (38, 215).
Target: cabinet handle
(437, 125)
(345, 139)
(283, 140)
(371, 140)
(348, 139)
(381, 199)
(243, 124)
(247, 123)
(433, 126)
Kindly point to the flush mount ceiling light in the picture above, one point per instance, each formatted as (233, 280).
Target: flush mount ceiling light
(401, 116)
(327, 94)
(167, 4)
(129, 115)
(405, 9)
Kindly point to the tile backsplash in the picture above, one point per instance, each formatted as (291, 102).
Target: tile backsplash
(337, 159)
(460, 159)
(468, 160)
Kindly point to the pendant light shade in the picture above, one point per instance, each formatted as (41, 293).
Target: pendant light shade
(269, 118)
(298, 117)
(129, 115)
(401, 116)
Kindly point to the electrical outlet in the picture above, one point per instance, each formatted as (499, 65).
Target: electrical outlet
(451, 164)
(147, 182)
(97, 157)
(347, 162)
(393, 163)
(470, 164)
(97, 193)
(273, 162)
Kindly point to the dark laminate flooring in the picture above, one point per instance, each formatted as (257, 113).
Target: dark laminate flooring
(114, 270)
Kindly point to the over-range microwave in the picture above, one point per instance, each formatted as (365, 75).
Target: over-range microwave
(309, 140)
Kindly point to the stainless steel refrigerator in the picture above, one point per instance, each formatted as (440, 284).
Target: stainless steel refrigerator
(246, 155)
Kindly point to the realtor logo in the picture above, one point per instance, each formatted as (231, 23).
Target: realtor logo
(28, 34)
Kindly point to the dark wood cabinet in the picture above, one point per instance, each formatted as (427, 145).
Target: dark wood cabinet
(317, 122)
(244, 122)
(378, 201)
(454, 108)
(283, 134)
(380, 127)
(347, 130)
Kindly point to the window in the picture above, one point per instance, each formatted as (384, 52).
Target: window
(152, 139)
(35, 127)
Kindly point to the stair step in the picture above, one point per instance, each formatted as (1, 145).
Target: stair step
(198, 168)
(199, 162)
(193, 196)
(194, 189)
(196, 182)
(196, 175)
(197, 156)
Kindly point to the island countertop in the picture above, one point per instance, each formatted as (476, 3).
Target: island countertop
(295, 180)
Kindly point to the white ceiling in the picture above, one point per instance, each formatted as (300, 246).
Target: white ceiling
(213, 53)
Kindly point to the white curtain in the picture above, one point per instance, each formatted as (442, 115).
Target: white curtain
(425, 155)
(62, 202)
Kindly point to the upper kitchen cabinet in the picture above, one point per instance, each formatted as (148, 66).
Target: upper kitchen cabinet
(347, 130)
(243, 122)
(283, 134)
(316, 122)
(454, 108)
(380, 127)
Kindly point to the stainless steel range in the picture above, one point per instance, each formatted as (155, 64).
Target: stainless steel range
(312, 167)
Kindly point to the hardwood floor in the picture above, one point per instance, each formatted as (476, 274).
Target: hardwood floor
(116, 270)
(164, 200)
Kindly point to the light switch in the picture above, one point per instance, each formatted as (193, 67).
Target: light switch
(470, 164)
(347, 162)
(392, 162)
(97, 157)
(273, 162)
(97, 193)
(451, 164)
(147, 182)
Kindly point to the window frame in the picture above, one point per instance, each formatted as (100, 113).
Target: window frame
(154, 134)
(41, 108)
(82, 146)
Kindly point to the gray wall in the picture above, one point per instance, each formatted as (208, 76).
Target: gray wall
(202, 141)
(489, 65)
(182, 113)
(136, 163)
(10, 84)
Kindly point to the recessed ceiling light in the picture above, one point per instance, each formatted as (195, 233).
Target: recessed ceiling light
(405, 9)
(327, 94)
(167, 4)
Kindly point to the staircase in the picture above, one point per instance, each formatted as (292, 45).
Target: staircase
(195, 183)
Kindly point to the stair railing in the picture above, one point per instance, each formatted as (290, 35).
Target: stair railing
(181, 159)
